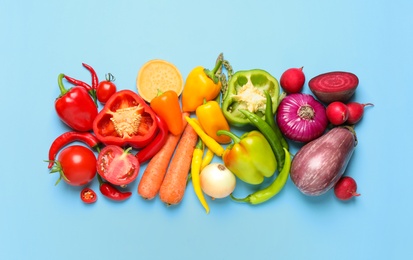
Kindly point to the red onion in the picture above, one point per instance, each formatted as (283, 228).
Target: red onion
(301, 117)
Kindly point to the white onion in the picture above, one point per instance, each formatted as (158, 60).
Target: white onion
(217, 181)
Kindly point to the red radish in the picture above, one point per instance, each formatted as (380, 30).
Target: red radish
(292, 80)
(334, 86)
(356, 111)
(346, 188)
(337, 113)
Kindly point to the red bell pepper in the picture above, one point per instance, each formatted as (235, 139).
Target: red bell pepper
(153, 148)
(75, 107)
(126, 120)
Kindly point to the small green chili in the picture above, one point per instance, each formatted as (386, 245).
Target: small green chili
(269, 134)
(269, 118)
(273, 189)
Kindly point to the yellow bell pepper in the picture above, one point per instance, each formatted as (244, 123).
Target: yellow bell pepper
(212, 119)
(201, 84)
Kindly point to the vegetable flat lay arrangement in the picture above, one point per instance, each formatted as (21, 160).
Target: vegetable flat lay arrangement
(188, 131)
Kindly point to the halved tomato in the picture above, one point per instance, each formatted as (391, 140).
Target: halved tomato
(117, 166)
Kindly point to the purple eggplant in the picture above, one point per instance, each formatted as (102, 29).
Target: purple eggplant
(319, 164)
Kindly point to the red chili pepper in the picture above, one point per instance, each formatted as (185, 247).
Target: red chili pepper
(153, 148)
(75, 107)
(69, 137)
(95, 80)
(111, 192)
(88, 196)
(77, 82)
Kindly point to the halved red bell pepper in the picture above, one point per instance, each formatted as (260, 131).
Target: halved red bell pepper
(126, 120)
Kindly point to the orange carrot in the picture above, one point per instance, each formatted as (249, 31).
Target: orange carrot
(155, 171)
(173, 186)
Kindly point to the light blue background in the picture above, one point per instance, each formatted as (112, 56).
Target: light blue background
(40, 39)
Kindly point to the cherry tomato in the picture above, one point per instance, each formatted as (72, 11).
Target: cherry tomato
(106, 89)
(87, 195)
(117, 166)
(77, 165)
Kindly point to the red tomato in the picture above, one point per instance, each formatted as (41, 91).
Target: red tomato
(117, 166)
(77, 165)
(87, 195)
(106, 89)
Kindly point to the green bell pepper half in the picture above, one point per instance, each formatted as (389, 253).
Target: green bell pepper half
(246, 90)
(249, 157)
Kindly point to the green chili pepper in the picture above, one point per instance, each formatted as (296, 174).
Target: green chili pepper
(269, 134)
(273, 189)
(269, 118)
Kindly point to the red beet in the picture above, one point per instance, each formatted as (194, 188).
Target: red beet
(334, 86)
(292, 80)
(346, 188)
(355, 111)
(337, 113)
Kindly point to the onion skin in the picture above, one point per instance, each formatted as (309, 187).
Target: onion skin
(298, 126)
(319, 164)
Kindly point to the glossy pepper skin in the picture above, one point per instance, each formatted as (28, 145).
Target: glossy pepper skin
(166, 105)
(246, 90)
(212, 119)
(201, 84)
(196, 164)
(273, 189)
(210, 142)
(109, 191)
(126, 120)
(149, 151)
(249, 157)
(269, 134)
(70, 137)
(75, 107)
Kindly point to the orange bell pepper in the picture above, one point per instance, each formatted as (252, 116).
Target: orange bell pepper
(166, 105)
(201, 84)
(212, 119)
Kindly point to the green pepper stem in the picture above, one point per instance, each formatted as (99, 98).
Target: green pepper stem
(199, 144)
(159, 92)
(100, 180)
(211, 73)
(234, 137)
(127, 150)
(245, 200)
(109, 77)
(62, 88)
